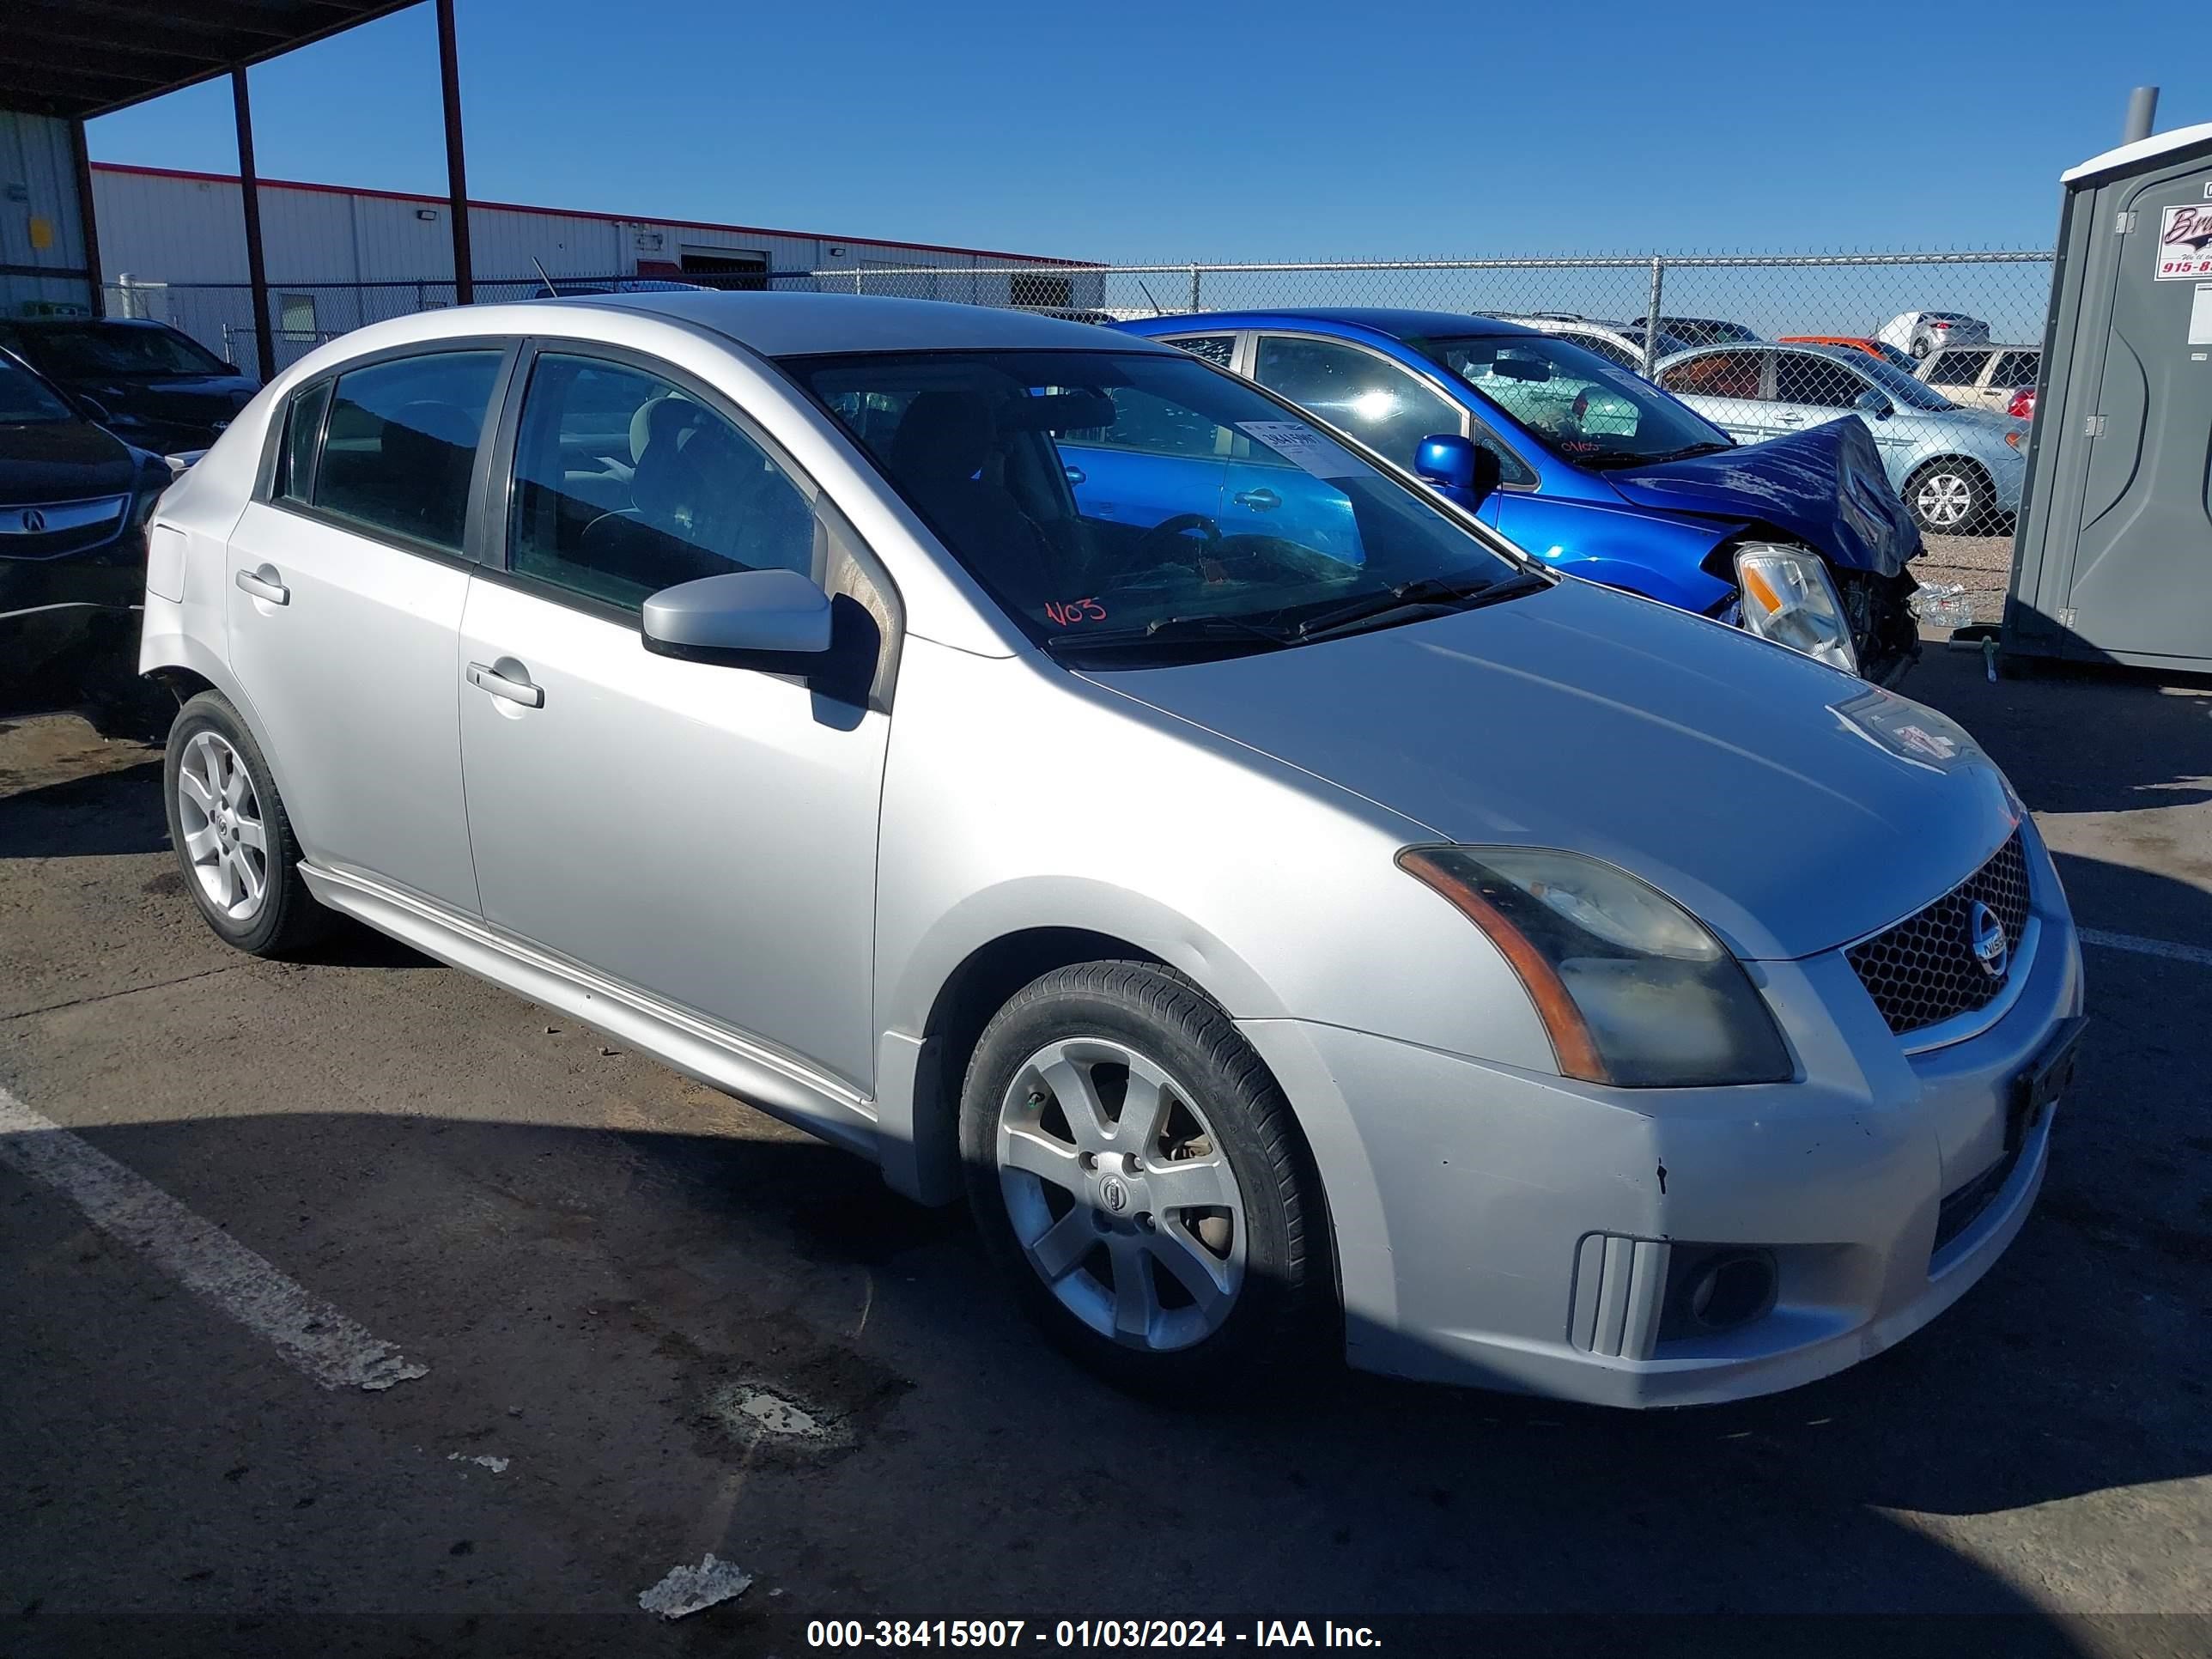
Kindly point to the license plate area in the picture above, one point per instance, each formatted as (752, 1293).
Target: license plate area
(2039, 1088)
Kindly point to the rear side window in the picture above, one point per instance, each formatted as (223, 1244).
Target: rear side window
(400, 444)
(1722, 374)
(1957, 367)
(2016, 368)
(1801, 377)
(1220, 349)
(296, 456)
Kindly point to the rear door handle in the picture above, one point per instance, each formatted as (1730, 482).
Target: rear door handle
(265, 584)
(1260, 501)
(1790, 420)
(486, 678)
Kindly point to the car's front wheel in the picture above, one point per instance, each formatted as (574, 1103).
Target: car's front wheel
(1949, 497)
(1136, 1173)
(232, 836)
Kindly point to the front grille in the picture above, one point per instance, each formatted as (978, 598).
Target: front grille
(63, 528)
(1923, 971)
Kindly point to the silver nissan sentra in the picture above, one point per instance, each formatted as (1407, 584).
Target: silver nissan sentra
(1287, 914)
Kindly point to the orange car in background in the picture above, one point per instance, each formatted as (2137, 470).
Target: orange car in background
(1865, 342)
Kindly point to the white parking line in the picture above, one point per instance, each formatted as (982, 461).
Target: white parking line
(309, 1333)
(2147, 947)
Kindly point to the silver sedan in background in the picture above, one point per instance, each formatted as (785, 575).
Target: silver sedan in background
(1346, 932)
(1959, 471)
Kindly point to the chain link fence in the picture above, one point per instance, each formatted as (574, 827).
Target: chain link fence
(1967, 322)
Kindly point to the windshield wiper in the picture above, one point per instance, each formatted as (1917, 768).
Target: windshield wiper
(1688, 452)
(1167, 632)
(1436, 596)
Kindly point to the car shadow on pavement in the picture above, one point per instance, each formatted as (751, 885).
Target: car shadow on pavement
(671, 1267)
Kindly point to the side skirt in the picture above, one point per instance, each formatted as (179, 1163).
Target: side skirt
(713, 1054)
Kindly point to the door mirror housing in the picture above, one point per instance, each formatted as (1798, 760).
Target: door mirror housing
(1460, 469)
(774, 620)
(1874, 403)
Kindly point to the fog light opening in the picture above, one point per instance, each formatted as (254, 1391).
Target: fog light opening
(1731, 1289)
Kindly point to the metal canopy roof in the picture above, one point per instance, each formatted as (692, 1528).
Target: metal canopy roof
(78, 59)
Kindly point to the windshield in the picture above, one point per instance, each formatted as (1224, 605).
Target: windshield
(1117, 502)
(25, 399)
(1907, 389)
(1576, 403)
(98, 351)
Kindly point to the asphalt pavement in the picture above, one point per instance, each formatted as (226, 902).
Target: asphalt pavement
(615, 1323)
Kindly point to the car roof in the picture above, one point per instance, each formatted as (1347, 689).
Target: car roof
(35, 323)
(805, 325)
(1399, 322)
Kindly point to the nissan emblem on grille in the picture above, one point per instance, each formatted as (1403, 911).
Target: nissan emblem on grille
(1950, 957)
(1991, 946)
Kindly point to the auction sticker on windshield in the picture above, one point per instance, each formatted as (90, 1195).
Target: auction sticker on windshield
(2185, 242)
(1302, 446)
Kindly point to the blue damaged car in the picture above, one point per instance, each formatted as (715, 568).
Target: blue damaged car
(1801, 540)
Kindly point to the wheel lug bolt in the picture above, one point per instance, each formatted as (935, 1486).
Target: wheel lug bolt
(1087, 1160)
(1135, 1165)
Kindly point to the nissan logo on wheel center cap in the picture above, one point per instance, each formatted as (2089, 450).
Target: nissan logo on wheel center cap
(1987, 936)
(1114, 1194)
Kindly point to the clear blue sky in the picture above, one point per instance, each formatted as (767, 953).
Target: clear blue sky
(1239, 129)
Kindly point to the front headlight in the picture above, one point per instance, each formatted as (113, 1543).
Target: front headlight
(1631, 987)
(1789, 598)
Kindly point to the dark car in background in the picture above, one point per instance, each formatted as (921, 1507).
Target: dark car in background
(74, 503)
(148, 383)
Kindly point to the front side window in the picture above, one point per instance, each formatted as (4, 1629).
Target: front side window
(625, 484)
(1386, 407)
(994, 451)
(1818, 382)
(400, 444)
(1578, 404)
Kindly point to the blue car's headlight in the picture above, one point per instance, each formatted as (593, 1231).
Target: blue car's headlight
(1789, 598)
(1631, 988)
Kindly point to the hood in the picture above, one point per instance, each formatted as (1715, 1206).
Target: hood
(1826, 487)
(1791, 807)
(174, 405)
(64, 461)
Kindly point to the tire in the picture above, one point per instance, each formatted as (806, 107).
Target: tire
(254, 898)
(1949, 497)
(1160, 1297)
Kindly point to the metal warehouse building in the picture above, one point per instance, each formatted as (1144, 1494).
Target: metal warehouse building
(171, 246)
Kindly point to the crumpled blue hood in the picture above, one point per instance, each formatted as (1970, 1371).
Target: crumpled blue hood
(1826, 486)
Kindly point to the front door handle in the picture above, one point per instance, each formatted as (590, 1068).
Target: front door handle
(265, 584)
(1790, 420)
(513, 685)
(1260, 501)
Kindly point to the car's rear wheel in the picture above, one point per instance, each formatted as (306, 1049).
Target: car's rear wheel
(1136, 1173)
(1949, 497)
(232, 839)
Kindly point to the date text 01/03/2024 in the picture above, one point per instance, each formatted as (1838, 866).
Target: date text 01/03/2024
(1084, 1633)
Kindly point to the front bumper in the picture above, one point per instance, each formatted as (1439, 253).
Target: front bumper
(68, 628)
(1511, 1230)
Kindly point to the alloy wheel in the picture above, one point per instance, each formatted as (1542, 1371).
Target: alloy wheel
(226, 841)
(1944, 500)
(1120, 1194)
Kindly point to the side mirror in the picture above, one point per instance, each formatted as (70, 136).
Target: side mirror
(774, 620)
(1461, 470)
(1874, 403)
